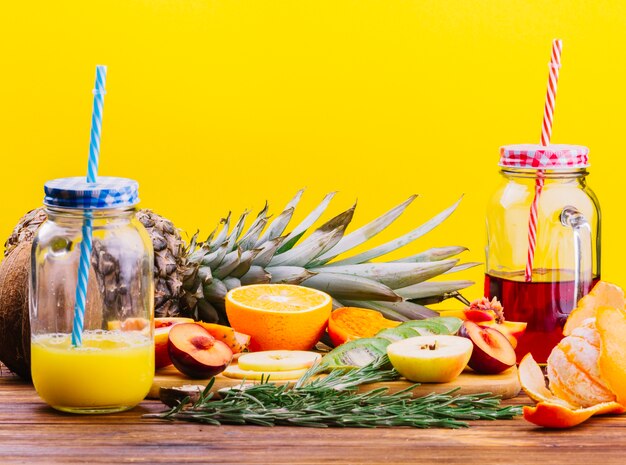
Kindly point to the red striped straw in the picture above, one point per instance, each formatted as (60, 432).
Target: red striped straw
(546, 135)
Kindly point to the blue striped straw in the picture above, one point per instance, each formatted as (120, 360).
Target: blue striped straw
(92, 176)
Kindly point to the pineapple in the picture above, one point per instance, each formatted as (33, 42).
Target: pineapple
(192, 280)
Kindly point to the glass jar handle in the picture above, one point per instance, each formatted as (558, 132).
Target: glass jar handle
(574, 219)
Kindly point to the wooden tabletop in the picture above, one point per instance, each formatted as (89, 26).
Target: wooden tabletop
(31, 432)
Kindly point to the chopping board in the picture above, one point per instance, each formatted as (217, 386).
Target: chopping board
(505, 384)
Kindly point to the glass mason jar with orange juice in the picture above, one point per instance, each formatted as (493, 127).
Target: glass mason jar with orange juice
(543, 240)
(112, 367)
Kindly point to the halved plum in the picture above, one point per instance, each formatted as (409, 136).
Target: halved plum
(493, 353)
(162, 328)
(195, 353)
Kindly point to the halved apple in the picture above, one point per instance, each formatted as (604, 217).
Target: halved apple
(430, 359)
(278, 360)
(195, 353)
(493, 353)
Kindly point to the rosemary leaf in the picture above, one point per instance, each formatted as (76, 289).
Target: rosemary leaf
(333, 401)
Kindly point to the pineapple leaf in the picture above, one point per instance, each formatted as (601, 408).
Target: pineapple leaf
(213, 259)
(289, 274)
(401, 241)
(245, 262)
(463, 267)
(214, 292)
(410, 310)
(255, 275)
(236, 232)
(277, 226)
(261, 217)
(267, 251)
(364, 233)
(387, 312)
(344, 286)
(394, 275)
(431, 289)
(249, 239)
(306, 223)
(230, 262)
(432, 255)
(221, 237)
(318, 242)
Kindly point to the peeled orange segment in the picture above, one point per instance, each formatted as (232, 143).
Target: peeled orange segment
(602, 295)
(278, 360)
(611, 324)
(278, 297)
(533, 382)
(552, 415)
(234, 371)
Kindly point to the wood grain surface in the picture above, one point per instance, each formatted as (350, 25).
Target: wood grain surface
(504, 384)
(31, 432)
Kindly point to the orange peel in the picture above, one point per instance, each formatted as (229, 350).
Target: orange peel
(603, 294)
(587, 369)
(552, 415)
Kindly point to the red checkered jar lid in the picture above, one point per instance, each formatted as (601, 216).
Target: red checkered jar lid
(544, 157)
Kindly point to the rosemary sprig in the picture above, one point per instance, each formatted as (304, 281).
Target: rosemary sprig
(333, 401)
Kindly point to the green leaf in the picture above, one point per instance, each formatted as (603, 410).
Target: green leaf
(230, 262)
(306, 223)
(364, 233)
(401, 241)
(255, 275)
(430, 289)
(267, 251)
(221, 237)
(277, 226)
(343, 286)
(288, 274)
(319, 241)
(433, 255)
(394, 275)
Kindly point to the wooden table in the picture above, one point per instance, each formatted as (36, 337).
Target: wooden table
(31, 432)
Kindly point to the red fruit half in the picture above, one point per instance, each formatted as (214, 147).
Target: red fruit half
(493, 353)
(195, 353)
(162, 328)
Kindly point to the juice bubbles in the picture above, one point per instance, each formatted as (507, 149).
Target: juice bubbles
(111, 371)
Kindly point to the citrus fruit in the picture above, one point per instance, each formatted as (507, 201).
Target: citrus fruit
(603, 294)
(278, 360)
(350, 323)
(279, 316)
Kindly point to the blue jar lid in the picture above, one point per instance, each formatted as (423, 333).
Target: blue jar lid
(107, 192)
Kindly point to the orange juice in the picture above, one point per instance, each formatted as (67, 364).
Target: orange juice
(111, 371)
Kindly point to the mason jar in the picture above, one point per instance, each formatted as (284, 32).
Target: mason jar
(104, 363)
(543, 240)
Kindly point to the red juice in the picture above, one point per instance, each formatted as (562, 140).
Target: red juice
(543, 305)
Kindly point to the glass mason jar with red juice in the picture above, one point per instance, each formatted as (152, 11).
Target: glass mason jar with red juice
(543, 203)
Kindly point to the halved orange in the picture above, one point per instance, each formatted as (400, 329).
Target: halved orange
(279, 316)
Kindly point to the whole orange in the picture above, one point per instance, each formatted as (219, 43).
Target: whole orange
(279, 316)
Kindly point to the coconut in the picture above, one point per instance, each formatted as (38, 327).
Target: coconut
(14, 320)
(14, 308)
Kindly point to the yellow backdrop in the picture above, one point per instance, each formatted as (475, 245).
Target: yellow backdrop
(218, 105)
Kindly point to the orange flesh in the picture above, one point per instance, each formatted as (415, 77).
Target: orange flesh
(602, 295)
(277, 297)
(611, 324)
(349, 323)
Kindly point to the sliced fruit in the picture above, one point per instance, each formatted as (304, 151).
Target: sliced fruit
(603, 294)
(479, 316)
(195, 353)
(573, 368)
(129, 324)
(493, 353)
(279, 316)
(278, 360)
(170, 321)
(513, 330)
(349, 323)
(162, 328)
(611, 325)
(534, 383)
(552, 415)
(430, 359)
(400, 333)
(234, 371)
(356, 353)
(238, 342)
